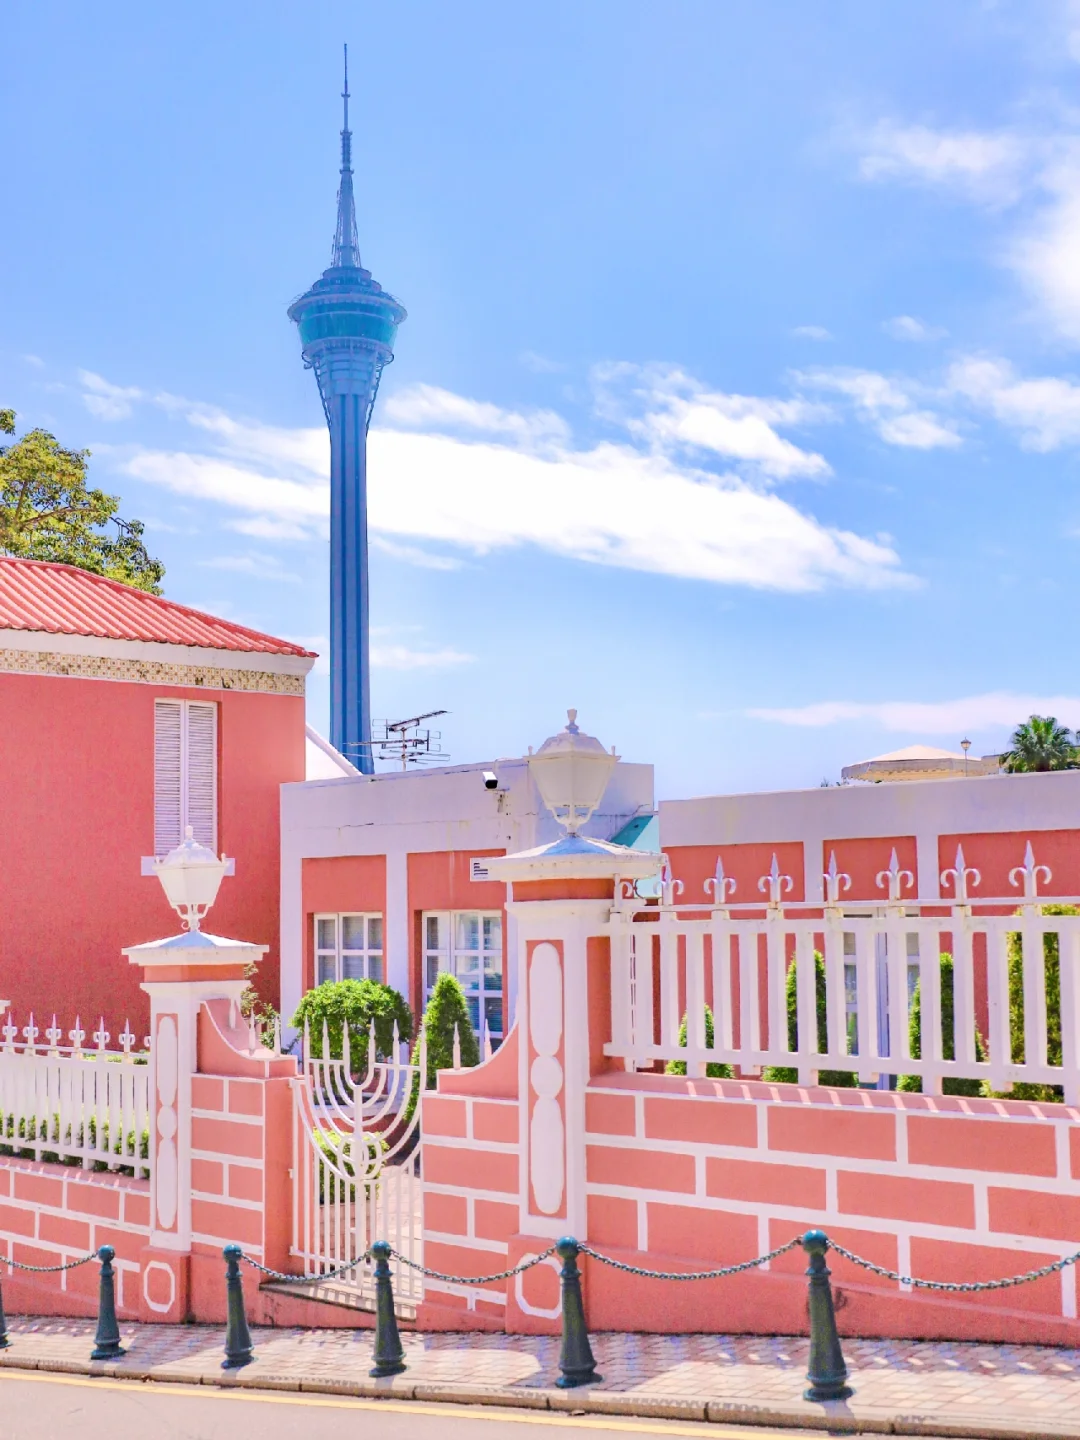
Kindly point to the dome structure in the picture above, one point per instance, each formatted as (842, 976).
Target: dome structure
(921, 762)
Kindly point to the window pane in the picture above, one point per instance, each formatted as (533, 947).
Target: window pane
(467, 968)
(493, 1011)
(432, 971)
(912, 944)
(467, 931)
(849, 942)
(352, 932)
(493, 970)
(375, 971)
(492, 932)
(325, 939)
(352, 967)
(374, 932)
(473, 1003)
(326, 968)
(434, 932)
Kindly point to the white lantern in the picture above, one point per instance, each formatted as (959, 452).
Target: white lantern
(572, 771)
(191, 876)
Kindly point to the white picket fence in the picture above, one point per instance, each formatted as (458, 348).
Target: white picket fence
(75, 1102)
(668, 961)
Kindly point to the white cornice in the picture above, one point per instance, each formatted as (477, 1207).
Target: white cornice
(44, 642)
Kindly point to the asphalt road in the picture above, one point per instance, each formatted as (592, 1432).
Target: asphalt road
(35, 1406)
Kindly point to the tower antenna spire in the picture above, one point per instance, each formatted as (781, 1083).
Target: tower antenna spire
(346, 241)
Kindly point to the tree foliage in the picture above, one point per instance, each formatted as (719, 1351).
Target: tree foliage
(954, 1085)
(713, 1070)
(1040, 743)
(789, 1075)
(47, 512)
(447, 1012)
(356, 1003)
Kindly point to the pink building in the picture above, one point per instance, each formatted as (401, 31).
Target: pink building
(128, 718)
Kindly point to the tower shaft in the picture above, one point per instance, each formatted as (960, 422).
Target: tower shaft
(347, 325)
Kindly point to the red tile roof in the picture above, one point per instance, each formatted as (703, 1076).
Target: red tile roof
(63, 600)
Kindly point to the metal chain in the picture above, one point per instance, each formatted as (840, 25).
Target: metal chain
(308, 1279)
(957, 1287)
(49, 1269)
(695, 1275)
(474, 1279)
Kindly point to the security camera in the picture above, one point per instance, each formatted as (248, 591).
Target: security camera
(491, 780)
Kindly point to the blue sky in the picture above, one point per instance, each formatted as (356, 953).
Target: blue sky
(739, 400)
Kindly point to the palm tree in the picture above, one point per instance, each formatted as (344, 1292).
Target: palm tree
(1040, 743)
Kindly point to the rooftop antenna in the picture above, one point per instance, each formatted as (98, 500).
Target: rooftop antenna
(409, 740)
(346, 240)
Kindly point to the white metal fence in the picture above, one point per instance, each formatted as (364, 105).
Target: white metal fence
(78, 1102)
(356, 1176)
(669, 961)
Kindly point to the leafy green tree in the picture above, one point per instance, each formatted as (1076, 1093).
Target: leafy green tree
(1040, 743)
(713, 1070)
(954, 1085)
(47, 512)
(788, 1074)
(355, 1003)
(447, 1012)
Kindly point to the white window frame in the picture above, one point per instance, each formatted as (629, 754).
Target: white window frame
(476, 983)
(167, 830)
(340, 953)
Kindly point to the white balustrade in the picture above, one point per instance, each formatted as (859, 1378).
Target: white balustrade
(74, 1104)
(670, 960)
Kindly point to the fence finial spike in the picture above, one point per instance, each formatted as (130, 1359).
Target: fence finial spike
(488, 1051)
(457, 1045)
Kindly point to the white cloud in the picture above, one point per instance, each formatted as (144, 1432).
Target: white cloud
(400, 657)
(953, 717)
(414, 555)
(105, 400)
(907, 327)
(539, 364)
(427, 407)
(671, 411)
(812, 332)
(889, 405)
(987, 165)
(1046, 411)
(609, 504)
(262, 567)
(35, 361)
(262, 527)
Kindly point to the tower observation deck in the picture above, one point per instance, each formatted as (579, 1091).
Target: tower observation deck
(347, 325)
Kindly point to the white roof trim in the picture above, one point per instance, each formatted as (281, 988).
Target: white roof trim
(263, 660)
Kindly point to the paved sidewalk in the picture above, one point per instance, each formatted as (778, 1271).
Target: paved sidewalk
(902, 1387)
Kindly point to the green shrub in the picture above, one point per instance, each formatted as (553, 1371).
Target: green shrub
(355, 1003)
(1052, 963)
(713, 1069)
(787, 1074)
(446, 1012)
(954, 1085)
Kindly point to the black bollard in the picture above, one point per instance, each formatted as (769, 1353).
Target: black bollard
(575, 1355)
(238, 1345)
(827, 1371)
(4, 1341)
(389, 1353)
(107, 1338)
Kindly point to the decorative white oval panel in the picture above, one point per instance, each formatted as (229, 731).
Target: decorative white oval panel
(546, 1075)
(166, 1057)
(166, 1175)
(546, 1154)
(545, 999)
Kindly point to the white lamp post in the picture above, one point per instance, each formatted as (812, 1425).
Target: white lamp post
(572, 771)
(191, 876)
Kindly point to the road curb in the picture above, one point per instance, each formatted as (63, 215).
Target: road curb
(836, 1418)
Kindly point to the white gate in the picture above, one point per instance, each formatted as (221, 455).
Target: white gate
(356, 1166)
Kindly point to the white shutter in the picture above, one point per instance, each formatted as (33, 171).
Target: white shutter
(201, 772)
(167, 779)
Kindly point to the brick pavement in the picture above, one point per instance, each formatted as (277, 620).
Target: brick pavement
(902, 1387)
